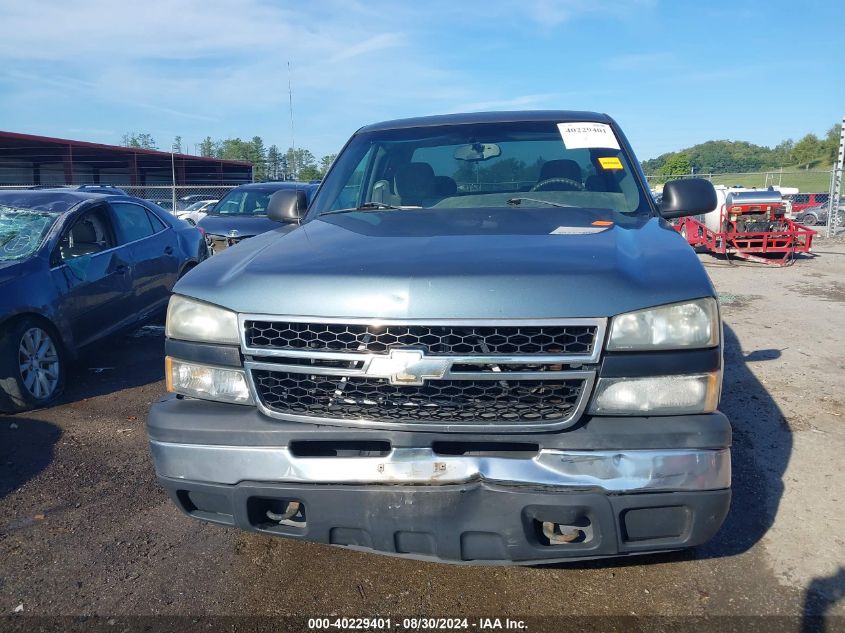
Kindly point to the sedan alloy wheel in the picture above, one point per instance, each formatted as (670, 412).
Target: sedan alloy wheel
(38, 360)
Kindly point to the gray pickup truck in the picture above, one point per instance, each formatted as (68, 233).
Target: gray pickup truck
(481, 343)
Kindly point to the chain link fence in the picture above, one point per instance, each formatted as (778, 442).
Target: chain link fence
(167, 197)
(836, 208)
(804, 180)
(805, 189)
(179, 197)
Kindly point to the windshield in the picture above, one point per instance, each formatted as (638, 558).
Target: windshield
(243, 202)
(22, 231)
(537, 164)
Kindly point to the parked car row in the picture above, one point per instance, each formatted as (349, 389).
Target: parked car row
(799, 202)
(166, 202)
(196, 211)
(817, 215)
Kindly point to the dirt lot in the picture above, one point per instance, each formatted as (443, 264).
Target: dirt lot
(84, 530)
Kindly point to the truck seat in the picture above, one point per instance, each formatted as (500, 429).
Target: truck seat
(562, 168)
(415, 184)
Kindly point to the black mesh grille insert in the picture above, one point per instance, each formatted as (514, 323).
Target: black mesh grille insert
(483, 402)
(442, 340)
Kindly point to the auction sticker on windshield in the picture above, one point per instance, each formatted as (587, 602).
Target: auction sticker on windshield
(610, 162)
(587, 135)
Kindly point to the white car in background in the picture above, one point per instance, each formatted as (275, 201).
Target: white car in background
(196, 212)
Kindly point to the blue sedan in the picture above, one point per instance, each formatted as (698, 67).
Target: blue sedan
(76, 267)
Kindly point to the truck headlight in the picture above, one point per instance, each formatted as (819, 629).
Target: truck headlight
(657, 395)
(191, 320)
(687, 325)
(223, 384)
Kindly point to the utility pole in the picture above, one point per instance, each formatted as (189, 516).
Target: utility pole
(292, 167)
(836, 185)
(173, 174)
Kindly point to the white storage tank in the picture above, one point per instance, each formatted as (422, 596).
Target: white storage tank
(747, 196)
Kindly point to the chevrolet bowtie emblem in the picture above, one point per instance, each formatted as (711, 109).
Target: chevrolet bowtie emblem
(407, 367)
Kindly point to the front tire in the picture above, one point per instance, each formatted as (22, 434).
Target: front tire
(32, 366)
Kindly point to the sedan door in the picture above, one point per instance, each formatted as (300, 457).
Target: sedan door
(93, 277)
(154, 251)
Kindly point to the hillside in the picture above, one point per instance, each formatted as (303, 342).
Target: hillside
(725, 156)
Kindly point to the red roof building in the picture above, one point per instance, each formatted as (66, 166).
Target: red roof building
(26, 159)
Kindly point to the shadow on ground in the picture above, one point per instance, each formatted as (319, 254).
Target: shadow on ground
(116, 363)
(822, 594)
(26, 448)
(762, 445)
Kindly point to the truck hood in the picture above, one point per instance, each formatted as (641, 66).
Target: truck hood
(489, 263)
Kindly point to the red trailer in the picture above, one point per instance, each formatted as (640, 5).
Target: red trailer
(749, 225)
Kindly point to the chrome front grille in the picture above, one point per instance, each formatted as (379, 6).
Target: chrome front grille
(471, 402)
(218, 243)
(439, 340)
(516, 375)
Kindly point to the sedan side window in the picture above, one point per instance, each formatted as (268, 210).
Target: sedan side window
(90, 234)
(133, 222)
(158, 225)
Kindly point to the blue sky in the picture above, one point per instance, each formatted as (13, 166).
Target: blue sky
(672, 72)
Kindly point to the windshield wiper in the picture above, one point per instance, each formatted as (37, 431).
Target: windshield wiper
(515, 202)
(368, 206)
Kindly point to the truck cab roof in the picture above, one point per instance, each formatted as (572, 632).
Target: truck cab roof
(561, 116)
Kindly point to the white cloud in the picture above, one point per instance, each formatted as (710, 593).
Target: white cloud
(373, 44)
(198, 67)
(548, 14)
(522, 102)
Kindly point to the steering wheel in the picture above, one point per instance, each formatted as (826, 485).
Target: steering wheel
(549, 181)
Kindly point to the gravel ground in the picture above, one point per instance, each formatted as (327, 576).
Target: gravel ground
(85, 531)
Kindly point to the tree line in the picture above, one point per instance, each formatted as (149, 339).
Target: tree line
(269, 163)
(714, 157)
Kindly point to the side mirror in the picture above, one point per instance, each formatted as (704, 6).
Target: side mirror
(287, 206)
(687, 196)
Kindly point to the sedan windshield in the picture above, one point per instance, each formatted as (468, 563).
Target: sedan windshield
(22, 231)
(536, 164)
(243, 202)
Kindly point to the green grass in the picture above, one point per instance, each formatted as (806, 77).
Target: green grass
(816, 180)
(805, 181)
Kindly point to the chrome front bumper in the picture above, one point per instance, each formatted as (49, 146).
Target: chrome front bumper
(611, 471)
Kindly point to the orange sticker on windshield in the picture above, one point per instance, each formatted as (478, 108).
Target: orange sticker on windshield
(610, 162)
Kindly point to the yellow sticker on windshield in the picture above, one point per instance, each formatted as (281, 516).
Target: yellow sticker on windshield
(610, 162)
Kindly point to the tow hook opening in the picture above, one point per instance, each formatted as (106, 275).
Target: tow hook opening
(519, 450)
(276, 515)
(322, 448)
(551, 533)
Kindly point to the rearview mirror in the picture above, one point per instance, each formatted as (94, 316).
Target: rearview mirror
(687, 196)
(287, 205)
(477, 151)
